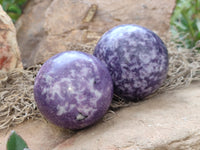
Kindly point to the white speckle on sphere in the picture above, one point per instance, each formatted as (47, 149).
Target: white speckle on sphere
(56, 90)
(149, 69)
(48, 79)
(86, 109)
(145, 58)
(72, 73)
(95, 93)
(84, 71)
(61, 110)
(44, 91)
(80, 117)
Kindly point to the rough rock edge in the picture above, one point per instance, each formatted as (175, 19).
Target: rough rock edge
(191, 141)
(14, 50)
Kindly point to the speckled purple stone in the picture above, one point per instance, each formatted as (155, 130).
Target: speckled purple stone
(73, 89)
(136, 58)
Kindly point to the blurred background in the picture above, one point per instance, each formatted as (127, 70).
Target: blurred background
(185, 20)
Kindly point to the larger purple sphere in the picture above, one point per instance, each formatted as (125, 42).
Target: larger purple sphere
(73, 89)
(136, 58)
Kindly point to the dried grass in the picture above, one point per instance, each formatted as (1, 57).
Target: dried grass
(16, 97)
(16, 87)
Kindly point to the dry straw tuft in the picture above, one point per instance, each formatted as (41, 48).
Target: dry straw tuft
(16, 87)
(16, 97)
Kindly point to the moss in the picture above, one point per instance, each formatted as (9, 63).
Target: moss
(13, 8)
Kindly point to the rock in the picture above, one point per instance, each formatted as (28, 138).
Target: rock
(30, 31)
(49, 27)
(9, 50)
(168, 121)
(37, 134)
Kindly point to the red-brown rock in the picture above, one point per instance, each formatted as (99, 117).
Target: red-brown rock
(9, 51)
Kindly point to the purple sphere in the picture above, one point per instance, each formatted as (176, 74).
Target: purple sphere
(136, 58)
(73, 89)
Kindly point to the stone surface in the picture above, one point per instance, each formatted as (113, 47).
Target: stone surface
(30, 31)
(38, 134)
(47, 27)
(165, 122)
(9, 50)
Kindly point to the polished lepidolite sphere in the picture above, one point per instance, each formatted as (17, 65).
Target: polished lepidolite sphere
(73, 89)
(136, 58)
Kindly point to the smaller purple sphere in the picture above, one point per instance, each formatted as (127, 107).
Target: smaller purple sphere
(136, 58)
(73, 89)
